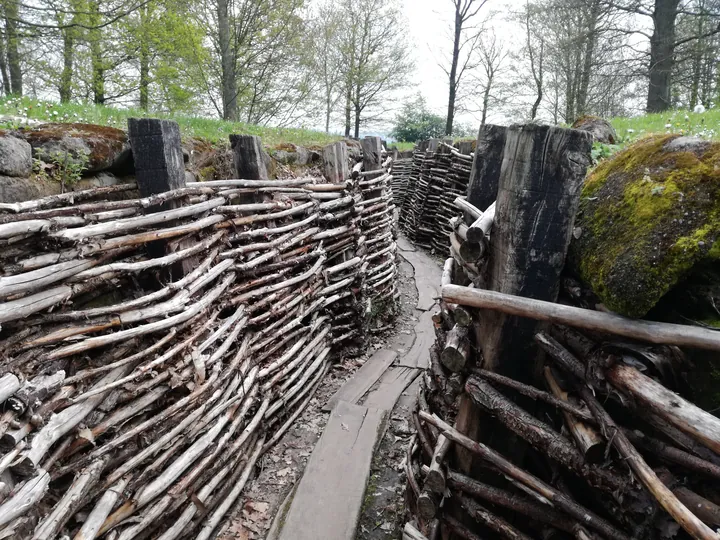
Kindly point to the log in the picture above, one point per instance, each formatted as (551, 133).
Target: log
(487, 164)
(29, 494)
(480, 229)
(538, 197)
(249, 157)
(9, 384)
(653, 332)
(93, 523)
(411, 533)
(589, 441)
(491, 521)
(679, 512)
(457, 349)
(560, 500)
(465, 206)
(682, 414)
(335, 163)
(372, 153)
(435, 479)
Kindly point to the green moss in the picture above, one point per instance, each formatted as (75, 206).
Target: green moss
(649, 214)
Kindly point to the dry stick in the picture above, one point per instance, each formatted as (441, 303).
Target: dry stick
(129, 224)
(9, 384)
(684, 415)
(459, 529)
(70, 502)
(212, 522)
(59, 425)
(255, 218)
(238, 183)
(25, 498)
(509, 500)
(56, 200)
(679, 512)
(123, 335)
(93, 523)
(462, 204)
(540, 435)
(550, 493)
(479, 230)
(456, 352)
(534, 393)
(654, 332)
(491, 521)
(588, 440)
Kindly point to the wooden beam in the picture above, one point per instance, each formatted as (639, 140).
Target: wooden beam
(489, 149)
(651, 331)
(249, 157)
(335, 162)
(372, 153)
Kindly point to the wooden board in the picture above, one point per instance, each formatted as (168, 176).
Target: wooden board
(392, 384)
(427, 278)
(418, 356)
(356, 387)
(330, 495)
(404, 244)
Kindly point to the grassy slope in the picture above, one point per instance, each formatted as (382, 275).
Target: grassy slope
(706, 125)
(206, 128)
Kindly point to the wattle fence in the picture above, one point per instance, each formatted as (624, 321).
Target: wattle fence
(155, 344)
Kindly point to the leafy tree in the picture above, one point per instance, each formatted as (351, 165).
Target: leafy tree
(416, 122)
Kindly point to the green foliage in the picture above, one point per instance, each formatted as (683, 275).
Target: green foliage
(204, 128)
(416, 122)
(602, 151)
(682, 122)
(61, 167)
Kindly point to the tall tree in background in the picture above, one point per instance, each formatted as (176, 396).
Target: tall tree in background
(465, 39)
(12, 14)
(492, 56)
(376, 59)
(325, 53)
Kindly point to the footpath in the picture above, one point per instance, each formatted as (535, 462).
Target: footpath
(329, 499)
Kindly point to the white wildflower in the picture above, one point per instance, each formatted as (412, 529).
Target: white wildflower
(631, 130)
(668, 126)
(699, 108)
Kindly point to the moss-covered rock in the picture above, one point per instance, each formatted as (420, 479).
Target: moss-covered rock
(647, 218)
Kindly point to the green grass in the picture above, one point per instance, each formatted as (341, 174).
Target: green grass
(190, 126)
(705, 125)
(402, 146)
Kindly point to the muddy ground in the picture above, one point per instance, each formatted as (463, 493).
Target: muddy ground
(282, 467)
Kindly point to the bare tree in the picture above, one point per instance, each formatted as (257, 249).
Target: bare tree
(465, 40)
(491, 58)
(326, 55)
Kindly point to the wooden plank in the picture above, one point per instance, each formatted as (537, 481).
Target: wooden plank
(487, 163)
(419, 356)
(404, 244)
(249, 157)
(330, 495)
(427, 278)
(392, 384)
(356, 387)
(335, 162)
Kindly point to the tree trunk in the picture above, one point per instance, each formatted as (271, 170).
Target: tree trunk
(348, 109)
(453, 72)
(582, 93)
(66, 76)
(96, 55)
(662, 46)
(486, 100)
(144, 59)
(229, 84)
(538, 81)
(357, 121)
(3, 67)
(13, 45)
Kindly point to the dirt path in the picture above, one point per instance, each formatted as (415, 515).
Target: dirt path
(283, 466)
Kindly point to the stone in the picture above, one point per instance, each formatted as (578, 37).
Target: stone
(602, 131)
(25, 189)
(354, 149)
(15, 157)
(650, 221)
(294, 155)
(98, 148)
(102, 179)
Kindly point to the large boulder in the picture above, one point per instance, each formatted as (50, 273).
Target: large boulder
(15, 156)
(294, 155)
(25, 189)
(98, 148)
(601, 130)
(649, 220)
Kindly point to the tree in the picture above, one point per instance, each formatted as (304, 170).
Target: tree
(375, 58)
(492, 55)
(463, 46)
(326, 55)
(12, 14)
(416, 122)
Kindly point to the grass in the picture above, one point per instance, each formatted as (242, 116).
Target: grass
(705, 125)
(212, 129)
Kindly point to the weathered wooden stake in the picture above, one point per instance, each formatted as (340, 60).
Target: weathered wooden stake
(372, 153)
(335, 159)
(483, 184)
(538, 195)
(249, 157)
(159, 167)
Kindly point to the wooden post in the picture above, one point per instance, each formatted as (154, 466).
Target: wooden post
(372, 153)
(335, 160)
(464, 147)
(159, 167)
(483, 184)
(538, 196)
(158, 156)
(249, 157)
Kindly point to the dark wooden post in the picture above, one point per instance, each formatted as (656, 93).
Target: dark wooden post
(538, 196)
(483, 184)
(335, 160)
(159, 167)
(372, 153)
(157, 153)
(249, 157)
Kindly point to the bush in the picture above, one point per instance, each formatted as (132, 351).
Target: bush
(416, 122)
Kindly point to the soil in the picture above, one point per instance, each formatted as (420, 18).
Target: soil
(283, 465)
